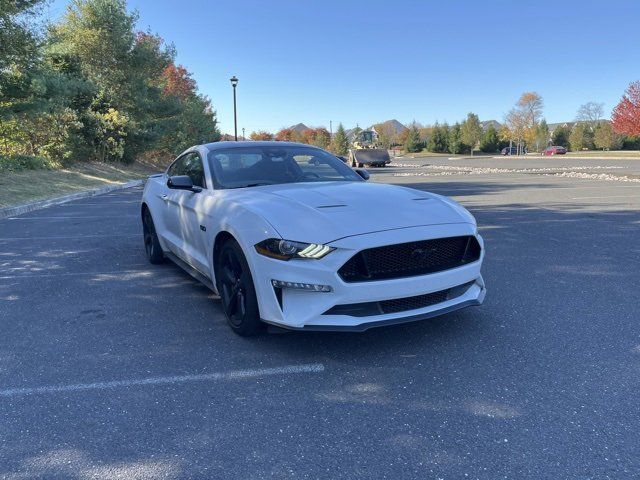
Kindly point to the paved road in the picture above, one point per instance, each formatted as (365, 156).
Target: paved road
(112, 368)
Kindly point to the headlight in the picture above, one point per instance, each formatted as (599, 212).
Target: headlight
(287, 249)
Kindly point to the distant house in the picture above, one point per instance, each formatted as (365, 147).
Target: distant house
(570, 125)
(553, 126)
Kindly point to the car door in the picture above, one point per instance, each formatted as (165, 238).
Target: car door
(171, 212)
(188, 213)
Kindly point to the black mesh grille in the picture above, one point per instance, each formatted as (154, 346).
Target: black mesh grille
(410, 259)
(413, 303)
(396, 305)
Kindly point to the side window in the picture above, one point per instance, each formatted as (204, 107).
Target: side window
(190, 165)
(178, 167)
(195, 170)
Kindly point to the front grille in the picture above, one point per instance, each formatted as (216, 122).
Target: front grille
(413, 303)
(396, 305)
(410, 259)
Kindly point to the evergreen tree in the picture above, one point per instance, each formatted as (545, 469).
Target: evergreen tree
(439, 139)
(455, 139)
(490, 140)
(413, 143)
(560, 136)
(542, 135)
(471, 131)
(340, 143)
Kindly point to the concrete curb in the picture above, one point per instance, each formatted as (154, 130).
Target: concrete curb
(30, 207)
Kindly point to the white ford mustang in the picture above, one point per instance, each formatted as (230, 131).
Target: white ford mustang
(289, 235)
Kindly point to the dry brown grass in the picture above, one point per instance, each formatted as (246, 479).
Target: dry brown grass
(32, 185)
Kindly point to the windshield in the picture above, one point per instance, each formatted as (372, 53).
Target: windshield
(268, 165)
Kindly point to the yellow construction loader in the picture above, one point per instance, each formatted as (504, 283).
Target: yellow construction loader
(365, 151)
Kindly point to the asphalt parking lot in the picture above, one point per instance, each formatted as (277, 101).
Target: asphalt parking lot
(113, 368)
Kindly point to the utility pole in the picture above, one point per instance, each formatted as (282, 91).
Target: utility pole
(243, 137)
(331, 128)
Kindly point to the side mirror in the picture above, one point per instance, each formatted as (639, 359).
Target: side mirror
(182, 182)
(363, 173)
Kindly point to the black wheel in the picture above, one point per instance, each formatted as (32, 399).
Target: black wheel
(237, 292)
(353, 163)
(151, 244)
(360, 165)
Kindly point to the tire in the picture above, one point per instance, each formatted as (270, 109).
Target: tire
(151, 244)
(360, 165)
(237, 292)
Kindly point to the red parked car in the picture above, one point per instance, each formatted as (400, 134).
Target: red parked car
(555, 150)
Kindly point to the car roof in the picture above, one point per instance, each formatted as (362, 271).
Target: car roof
(251, 143)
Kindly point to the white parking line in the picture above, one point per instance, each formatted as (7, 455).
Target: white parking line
(210, 377)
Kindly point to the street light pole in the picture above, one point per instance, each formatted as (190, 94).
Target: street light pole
(243, 137)
(234, 83)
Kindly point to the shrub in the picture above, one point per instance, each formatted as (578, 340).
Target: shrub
(18, 163)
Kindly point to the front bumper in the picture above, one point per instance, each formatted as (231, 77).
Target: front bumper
(298, 309)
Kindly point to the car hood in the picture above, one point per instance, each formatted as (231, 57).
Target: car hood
(327, 211)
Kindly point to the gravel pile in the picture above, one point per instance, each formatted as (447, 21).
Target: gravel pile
(597, 176)
(573, 172)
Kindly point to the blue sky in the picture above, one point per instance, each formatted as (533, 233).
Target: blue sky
(368, 61)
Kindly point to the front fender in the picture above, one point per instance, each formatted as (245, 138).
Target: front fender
(246, 227)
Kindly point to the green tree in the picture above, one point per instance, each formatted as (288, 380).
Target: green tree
(581, 137)
(490, 141)
(18, 39)
(413, 143)
(560, 136)
(94, 87)
(100, 35)
(542, 135)
(605, 138)
(340, 143)
(471, 131)
(439, 140)
(455, 139)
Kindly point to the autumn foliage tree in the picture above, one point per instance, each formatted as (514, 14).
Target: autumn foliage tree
(285, 135)
(319, 137)
(261, 135)
(626, 116)
(177, 81)
(91, 87)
